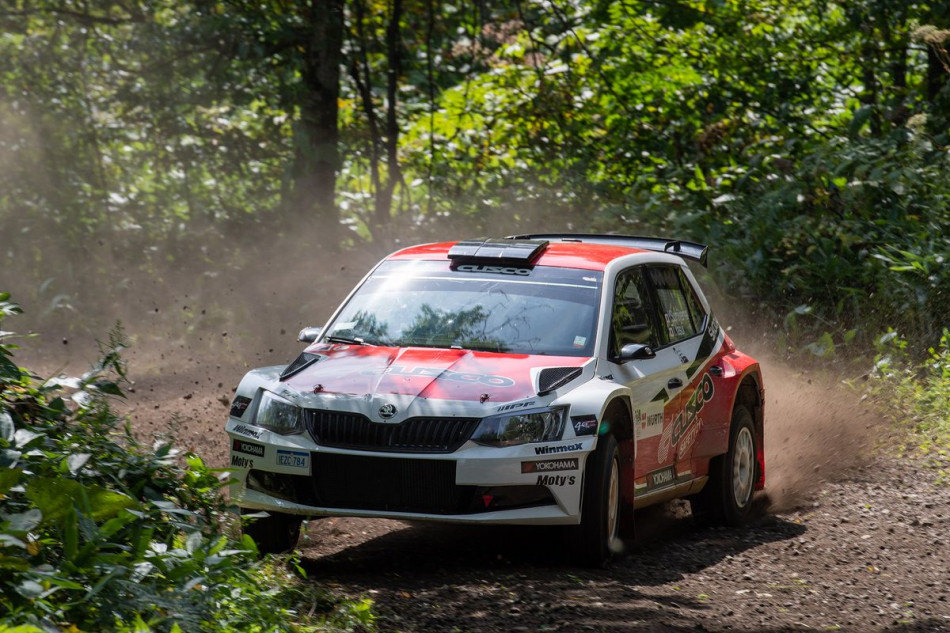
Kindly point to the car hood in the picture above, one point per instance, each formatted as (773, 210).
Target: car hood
(443, 374)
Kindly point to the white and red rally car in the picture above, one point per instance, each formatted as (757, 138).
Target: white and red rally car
(536, 379)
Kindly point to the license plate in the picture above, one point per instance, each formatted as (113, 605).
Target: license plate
(293, 459)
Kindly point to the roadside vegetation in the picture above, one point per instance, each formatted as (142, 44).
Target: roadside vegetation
(101, 533)
(916, 396)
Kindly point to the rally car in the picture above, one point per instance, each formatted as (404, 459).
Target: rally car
(535, 379)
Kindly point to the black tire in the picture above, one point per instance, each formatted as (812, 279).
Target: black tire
(726, 499)
(276, 533)
(596, 539)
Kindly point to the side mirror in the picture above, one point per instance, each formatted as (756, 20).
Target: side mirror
(636, 351)
(309, 334)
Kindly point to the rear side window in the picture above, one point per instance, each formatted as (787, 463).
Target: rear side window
(682, 313)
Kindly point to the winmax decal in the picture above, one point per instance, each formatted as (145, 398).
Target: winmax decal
(246, 430)
(547, 450)
(448, 374)
(686, 418)
(549, 465)
(250, 448)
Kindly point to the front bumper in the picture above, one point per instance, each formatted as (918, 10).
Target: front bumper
(526, 484)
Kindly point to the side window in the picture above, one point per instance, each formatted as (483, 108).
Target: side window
(696, 311)
(680, 309)
(632, 319)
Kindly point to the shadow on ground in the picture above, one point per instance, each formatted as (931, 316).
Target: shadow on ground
(431, 577)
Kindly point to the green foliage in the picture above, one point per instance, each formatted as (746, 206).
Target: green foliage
(805, 141)
(916, 394)
(100, 533)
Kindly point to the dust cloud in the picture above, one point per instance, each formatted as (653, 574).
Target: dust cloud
(817, 428)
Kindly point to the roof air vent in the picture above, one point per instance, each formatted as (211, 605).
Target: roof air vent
(498, 250)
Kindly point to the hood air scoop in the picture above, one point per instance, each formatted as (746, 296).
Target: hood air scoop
(300, 363)
(551, 378)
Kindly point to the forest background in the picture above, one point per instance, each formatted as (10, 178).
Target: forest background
(217, 173)
(160, 147)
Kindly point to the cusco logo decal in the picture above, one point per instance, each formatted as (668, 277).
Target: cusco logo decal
(448, 374)
(501, 270)
(703, 394)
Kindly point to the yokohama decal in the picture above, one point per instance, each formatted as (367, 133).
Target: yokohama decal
(549, 465)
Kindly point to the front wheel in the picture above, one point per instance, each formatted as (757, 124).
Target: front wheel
(596, 539)
(726, 499)
(276, 533)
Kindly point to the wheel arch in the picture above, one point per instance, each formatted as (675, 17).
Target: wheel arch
(618, 412)
(751, 395)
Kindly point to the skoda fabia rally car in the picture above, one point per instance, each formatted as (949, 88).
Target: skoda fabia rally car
(536, 379)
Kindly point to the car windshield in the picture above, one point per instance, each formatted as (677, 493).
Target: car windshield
(526, 310)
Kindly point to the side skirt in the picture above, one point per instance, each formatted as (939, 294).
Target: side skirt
(673, 492)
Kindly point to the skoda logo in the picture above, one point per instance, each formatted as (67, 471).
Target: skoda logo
(387, 411)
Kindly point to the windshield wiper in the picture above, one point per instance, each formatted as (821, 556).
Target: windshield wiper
(356, 340)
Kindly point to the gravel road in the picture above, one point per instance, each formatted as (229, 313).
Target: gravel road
(868, 552)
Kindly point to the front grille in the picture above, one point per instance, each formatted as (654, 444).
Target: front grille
(415, 435)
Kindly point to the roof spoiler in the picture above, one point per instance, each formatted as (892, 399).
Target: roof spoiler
(688, 250)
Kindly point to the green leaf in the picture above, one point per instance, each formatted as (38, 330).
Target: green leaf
(76, 461)
(8, 540)
(861, 116)
(193, 542)
(113, 525)
(55, 497)
(8, 479)
(13, 563)
(70, 535)
(7, 429)
(824, 347)
(24, 437)
(108, 387)
(24, 521)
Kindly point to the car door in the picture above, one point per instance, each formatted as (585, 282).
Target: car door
(681, 332)
(655, 305)
(635, 319)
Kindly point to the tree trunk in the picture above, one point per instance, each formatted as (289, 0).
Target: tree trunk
(316, 135)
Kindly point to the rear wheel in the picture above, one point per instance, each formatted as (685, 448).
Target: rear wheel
(726, 499)
(596, 539)
(276, 533)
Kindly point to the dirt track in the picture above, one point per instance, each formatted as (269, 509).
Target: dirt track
(852, 543)
(869, 553)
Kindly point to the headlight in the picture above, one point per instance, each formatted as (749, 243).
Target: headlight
(512, 429)
(278, 415)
